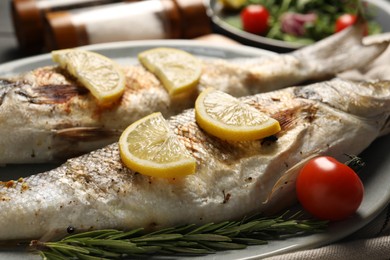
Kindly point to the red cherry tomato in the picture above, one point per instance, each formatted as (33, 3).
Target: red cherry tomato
(344, 21)
(255, 19)
(328, 189)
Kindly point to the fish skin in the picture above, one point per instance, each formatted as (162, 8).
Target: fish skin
(47, 116)
(233, 179)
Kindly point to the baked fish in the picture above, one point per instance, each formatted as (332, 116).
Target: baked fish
(47, 116)
(233, 179)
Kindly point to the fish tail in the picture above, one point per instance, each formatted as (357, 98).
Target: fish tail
(342, 51)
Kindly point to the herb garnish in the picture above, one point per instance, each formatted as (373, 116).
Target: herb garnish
(182, 240)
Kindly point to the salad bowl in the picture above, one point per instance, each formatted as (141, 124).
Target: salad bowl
(379, 9)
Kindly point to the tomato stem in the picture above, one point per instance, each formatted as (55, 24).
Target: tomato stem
(355, 163)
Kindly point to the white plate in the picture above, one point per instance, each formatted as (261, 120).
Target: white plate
(375, 176)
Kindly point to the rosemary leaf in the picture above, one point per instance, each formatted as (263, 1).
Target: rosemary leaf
(214, 227)
(192, 251)
(118, 244)
(47, 255)
(65, 252)
(229, 225)
(184, 229)
(162, 231)
(108, 234)
(186, 243)
(140, 250)
(123, 235)
(66, 247)
(201, 229)
(302, 226)
(95, 233)
(167, 245)
(149, 249)
(158, 237)
(247, 227)
(206, 237)
(102, 252)
(265, 224)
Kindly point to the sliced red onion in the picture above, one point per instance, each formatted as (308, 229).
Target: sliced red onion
(294, 23)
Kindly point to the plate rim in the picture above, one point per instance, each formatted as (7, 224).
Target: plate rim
(101, 47)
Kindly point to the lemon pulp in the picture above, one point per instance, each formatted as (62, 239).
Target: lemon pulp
(150, 147)
(101, 75)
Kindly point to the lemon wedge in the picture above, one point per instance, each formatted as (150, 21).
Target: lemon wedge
(101, 75)
(226, 117)
(178, 70)
(150, 147)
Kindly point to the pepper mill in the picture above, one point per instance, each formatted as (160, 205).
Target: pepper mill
(28, 18)
(142, 20)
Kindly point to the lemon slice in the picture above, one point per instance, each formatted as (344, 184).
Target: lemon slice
(150, 147)
(226, 117)
(179, 71)
(101, 75)
(233, 4)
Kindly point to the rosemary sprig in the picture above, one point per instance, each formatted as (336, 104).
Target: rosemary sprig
(182, 240)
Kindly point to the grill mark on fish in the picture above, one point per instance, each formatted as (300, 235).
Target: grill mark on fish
(274, 107)
(86, 133)
(287, 118)
(201, 143)
(52, 94)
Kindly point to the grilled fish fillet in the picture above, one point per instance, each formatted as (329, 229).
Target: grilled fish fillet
(233, 179)
(47, 116)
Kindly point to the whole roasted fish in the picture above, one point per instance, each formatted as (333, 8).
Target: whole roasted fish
(47, 116)
(233, 179)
